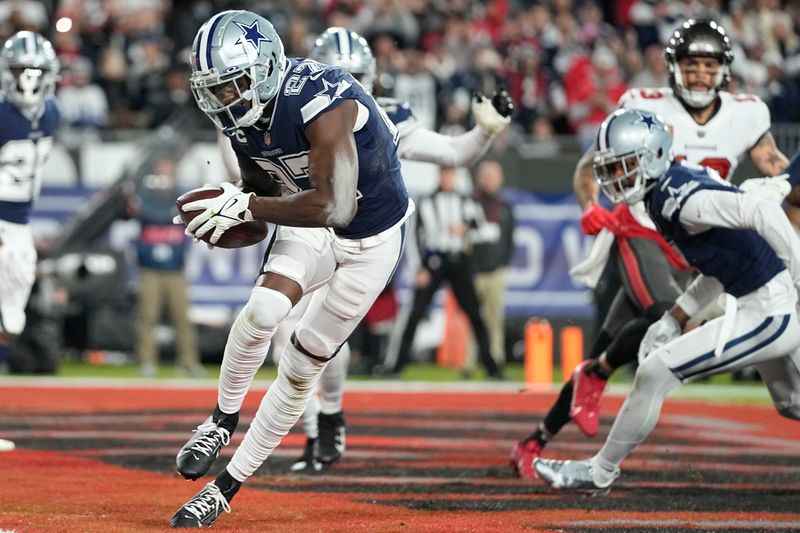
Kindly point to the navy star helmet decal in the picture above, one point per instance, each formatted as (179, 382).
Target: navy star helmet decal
(251, 34)
(648, 120)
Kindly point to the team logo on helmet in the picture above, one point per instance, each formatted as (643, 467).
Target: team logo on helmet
(647, 120)
(251, 34)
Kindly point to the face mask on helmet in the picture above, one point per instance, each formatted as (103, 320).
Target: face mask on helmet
(237, 67)
(348, 50)
(28, 70)
(698, 40)
(632, 151)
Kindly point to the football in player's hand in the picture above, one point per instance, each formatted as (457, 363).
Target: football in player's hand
(239, 236)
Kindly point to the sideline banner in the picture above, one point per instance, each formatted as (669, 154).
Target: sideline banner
(547, 236)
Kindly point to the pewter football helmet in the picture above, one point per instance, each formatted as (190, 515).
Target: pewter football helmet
(698, 38)
(346, 49)
(28, 70)
(632, 151)
(237, 67)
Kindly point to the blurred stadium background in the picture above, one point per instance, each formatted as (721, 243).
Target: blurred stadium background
(98, 455)
(125, 100)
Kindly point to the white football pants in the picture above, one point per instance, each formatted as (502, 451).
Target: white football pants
(347, 276)
(765, 333)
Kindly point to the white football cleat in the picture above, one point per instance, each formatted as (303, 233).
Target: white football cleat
(574, 475)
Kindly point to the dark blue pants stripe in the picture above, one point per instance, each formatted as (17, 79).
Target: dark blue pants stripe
(772, 338)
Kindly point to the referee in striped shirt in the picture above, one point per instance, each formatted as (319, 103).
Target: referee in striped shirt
(447, 225)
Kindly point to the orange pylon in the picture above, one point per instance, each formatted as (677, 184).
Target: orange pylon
(571, 350)
(452, 351)
(538, 361)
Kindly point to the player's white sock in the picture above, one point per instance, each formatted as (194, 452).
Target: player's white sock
(284, 332)
(638, 415)
(248, 344)
(310, 420)
(279, 410)
(333, 379)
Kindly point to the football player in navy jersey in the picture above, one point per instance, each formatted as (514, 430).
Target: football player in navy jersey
(742, 244)
(323, 419)
(322, 157)
(29, 114)
(629, 259)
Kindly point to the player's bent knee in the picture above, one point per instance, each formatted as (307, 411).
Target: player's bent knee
(314, 344)
(266, 308)
(651, 373)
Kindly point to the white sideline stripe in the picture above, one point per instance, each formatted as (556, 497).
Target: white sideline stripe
(722, 524)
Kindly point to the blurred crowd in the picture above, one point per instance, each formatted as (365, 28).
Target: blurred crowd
(565, 62)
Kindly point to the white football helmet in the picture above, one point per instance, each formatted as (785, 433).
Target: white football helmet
(28, 70)
(632, 151)
(346, 49)
(236, 53)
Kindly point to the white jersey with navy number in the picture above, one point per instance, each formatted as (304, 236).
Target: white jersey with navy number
(308, 90)
(736, 126)
(24, 147)
(740, 259)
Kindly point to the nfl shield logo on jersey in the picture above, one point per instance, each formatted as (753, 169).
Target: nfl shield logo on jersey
(267, 138)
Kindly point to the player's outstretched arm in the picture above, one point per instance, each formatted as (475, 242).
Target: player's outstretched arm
(767, 158)
(492, 116)
(333, 172)
(583, 181)
(444, 150)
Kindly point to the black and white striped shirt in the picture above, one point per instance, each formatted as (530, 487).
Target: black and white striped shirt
(439, 212)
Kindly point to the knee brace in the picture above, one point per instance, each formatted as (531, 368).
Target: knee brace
(266, 308)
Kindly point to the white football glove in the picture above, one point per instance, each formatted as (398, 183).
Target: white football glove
(492, 114)
(658, 334)
(774, 189)
(220, 213)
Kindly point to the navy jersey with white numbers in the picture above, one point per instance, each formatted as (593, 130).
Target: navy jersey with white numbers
(24, 146)
(739, 258)
(308, 90)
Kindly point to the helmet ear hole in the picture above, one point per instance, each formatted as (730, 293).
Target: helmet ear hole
(660, 152)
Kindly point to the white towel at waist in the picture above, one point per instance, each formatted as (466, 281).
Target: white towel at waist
(590, 269)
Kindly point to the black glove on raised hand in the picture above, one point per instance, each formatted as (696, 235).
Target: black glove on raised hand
(492, 115)
(502, 102)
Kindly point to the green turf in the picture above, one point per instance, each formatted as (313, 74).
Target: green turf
(722, 387)
(414, 372)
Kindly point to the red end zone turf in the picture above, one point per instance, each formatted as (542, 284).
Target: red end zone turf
(102, 460)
